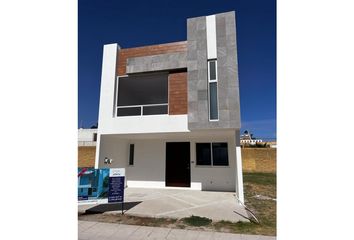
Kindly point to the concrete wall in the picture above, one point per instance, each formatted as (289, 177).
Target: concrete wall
(200, 40)
(259, 159)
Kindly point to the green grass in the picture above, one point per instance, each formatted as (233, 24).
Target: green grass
(196, 221)
(260, 178)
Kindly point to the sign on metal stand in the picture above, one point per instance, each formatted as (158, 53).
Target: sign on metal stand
(116, 186)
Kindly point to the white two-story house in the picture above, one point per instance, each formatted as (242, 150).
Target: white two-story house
(170, 113)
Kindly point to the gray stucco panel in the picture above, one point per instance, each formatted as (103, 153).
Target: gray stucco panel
(228, 83)
(157, 62)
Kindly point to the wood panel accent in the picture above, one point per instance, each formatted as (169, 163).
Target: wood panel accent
(177, 93)
(125, 53)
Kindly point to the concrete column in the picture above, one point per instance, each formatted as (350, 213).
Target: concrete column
(98, 145)
(239, 175)
(108, 78)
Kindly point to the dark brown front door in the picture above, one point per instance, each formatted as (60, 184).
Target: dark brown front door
(178, 164)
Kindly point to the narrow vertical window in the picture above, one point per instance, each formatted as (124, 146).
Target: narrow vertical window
(131, 154)
(213, 90)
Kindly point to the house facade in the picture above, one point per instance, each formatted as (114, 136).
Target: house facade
(170, 113)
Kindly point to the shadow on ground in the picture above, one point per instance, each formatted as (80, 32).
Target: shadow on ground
(111, 207)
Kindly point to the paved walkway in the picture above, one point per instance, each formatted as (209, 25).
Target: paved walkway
(176, 203)
(113, 231)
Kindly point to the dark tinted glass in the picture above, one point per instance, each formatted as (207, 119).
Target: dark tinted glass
(212, 70)
(131, 154)
(213, 101)
(203, 154)
(130, 111)
(152, 110)
(143, 89)
(220, 154)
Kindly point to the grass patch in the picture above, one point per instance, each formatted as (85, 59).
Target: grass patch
(265, 210)
(196, 221)
(260, 178)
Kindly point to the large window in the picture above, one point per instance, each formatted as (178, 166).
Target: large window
(213, 90)
(212, 154)
(145, 94)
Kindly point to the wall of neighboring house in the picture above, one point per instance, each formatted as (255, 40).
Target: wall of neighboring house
(87, 137)
(86, 156)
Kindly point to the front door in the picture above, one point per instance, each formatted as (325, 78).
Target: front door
(178, 172)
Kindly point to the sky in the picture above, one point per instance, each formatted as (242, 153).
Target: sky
(137, 23)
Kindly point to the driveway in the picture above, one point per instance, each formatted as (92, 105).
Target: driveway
(175, 203)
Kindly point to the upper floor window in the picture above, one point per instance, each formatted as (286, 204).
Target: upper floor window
(145, 94)
(213, 90)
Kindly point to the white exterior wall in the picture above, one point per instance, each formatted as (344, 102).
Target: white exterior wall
(220, 178)
(211, 37)
(115, 149)
(144, 124)
(150, 161)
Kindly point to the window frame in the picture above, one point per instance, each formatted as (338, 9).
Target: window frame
(211, 155)
(217, 88)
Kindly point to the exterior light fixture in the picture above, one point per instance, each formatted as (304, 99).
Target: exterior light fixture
(107, 160)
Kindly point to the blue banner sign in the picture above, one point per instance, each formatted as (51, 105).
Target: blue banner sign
(116, 185)
(92, 183)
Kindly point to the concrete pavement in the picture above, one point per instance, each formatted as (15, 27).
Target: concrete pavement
(178, 203)
(113, 231)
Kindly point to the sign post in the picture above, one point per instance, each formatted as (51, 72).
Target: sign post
(116, 186)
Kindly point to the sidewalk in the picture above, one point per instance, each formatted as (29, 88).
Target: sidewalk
(113, 231)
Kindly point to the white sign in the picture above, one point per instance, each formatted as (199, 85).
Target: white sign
(116, 172)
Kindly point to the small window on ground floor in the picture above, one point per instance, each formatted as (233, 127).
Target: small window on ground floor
(212, 154)
(131, 154)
